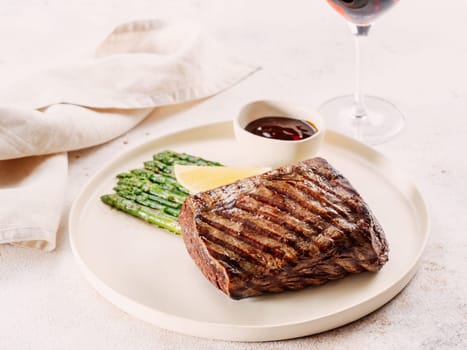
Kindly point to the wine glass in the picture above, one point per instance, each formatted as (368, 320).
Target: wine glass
(369, 119)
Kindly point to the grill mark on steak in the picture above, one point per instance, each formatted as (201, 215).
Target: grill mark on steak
(262, 253)
(329, 237)
(232, 264)
(332, 179)
(273, 233)
(307, 204)
(251, 232)
(236, 264)
(338, 193)
(320, 194)
(239, 264)
(272, 198)
(215, 236)
(345, 221)
(289, 190)
(264, 195)
(302, 214)
(296, 231)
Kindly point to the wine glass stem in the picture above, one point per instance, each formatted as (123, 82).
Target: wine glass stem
(359, 33)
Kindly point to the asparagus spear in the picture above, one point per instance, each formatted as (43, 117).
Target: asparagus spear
(169, 181)
(159, 167)
(134, 191)
(152, 188)
(165, 181)
(149, 215)
(147, 201)
(170, 157)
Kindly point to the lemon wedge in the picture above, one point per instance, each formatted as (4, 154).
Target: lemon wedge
(202, 178)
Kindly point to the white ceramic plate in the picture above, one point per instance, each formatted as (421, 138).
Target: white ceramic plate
(147, 272)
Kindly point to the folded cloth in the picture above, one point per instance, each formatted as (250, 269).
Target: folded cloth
(139, 66)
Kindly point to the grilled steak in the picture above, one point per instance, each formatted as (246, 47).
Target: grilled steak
(299, 225)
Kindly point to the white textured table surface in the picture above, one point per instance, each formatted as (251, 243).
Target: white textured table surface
(416, 57)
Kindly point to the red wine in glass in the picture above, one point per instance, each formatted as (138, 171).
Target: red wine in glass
(361, 12)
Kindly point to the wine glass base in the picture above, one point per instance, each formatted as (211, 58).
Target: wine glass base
(382, 122)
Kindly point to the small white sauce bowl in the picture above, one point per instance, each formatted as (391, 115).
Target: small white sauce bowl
(263, 151)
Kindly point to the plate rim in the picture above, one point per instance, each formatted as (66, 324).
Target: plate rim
(234, 332)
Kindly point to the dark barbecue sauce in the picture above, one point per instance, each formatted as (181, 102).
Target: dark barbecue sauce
(282, 128)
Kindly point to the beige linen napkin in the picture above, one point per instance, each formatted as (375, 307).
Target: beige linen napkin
(140, 66)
